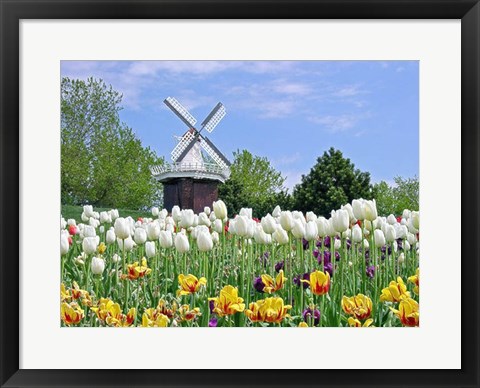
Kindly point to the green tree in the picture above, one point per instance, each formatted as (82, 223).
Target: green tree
(394, 199)
(253, 183)
(332, 182)
(102, 161)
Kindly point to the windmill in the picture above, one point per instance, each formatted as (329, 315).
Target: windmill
(191, 180)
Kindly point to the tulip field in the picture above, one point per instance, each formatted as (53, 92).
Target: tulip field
(287, 269)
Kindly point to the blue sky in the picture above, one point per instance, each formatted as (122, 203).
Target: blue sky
(288, 111)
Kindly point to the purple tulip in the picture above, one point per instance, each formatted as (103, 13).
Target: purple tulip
(213, 322)
(297, 279)
(308, 314)
(370, 271)
(328, 268)
(279, 266)
(305, 244)
(258, 284)
(211, 305)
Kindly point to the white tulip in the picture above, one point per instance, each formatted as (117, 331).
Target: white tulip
(311, 216)
(299, 216)
(213, 217)
(89, 244)
(94, 222)
(114, 214)
(356, 234)
(260, 236)
(181, 243)
(411, 238)
(220, 209)
(286, 220)
(116, 258)
(187, 218)
(64, 245)
(247, 212)
(400, 231)
(347, 233)
(391, 219)
(163, 214)
(84, 217)
(330, 229)
(155, 211)
(366, 245)
(96, 215)
(390, 234)
(204, 241)
(195, 220)
(251, 228)
(322, 226)
(311, 230)
(269, 224)
(150, 249)
(241, 226)
(207, 210)
(128, 243)
(406, 246)
(358, 209)
(215, 237)
(379, 238)
(98, 265)
(71, 221)
(153, 231)
(110, 237)
(349, 210)
(140, 236)
(406, 214)
(340, 220)
(370, 210)
(105, 218)
(231, 226)
(410, 225)
(176, 213)
(88, 210)
(122, 228)
(280, 235)
(337, 244)
(204, 220)
(101, 229)
(165, 239)
(298, 230)
(276, 212)
(89, 231)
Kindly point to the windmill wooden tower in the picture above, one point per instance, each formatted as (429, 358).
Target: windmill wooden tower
(191, 180)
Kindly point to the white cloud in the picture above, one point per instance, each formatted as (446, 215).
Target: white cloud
(286, 159)
(349, 91)
(335, 123)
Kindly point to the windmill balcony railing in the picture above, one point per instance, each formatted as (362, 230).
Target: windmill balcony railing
(194, 168)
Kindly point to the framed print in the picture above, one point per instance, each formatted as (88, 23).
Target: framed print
(227, 173)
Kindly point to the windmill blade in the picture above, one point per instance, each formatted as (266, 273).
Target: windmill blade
(188, 148)
(180, 111)
(214, 117)
(214, 153)
(187, 139)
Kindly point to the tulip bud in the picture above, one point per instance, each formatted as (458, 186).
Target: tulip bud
(165, 239)
(260, 235)
(64, 245)
(247, 212)
(88, 210)
(150, 249)
(116, 258)
(89, 244)
(349, 210)
(269, 224)
(114, 214)
(379, 238)
(105, 218)
(401, 258)
(340, 220)
(84, 217)
(203, 220)
(347, 233)
(187, 218)
(298, 230)
(411, 226)
(356, 234)
(311, 216)
(181, 243)
(337, 244)
(406, 214)
(176, 213)
(241, 226)
(370, 210)
(122, 228)
(280, 235)
(163, 214)
(110, 237)
(276, 212)
(98, 265)
(207, 210)
(204, 241)
(411, 238)
(215, 237)
(220, 209)
(391, 219)
(311, 230)
(140, 236)
(358, 208)
(390, 235)
(89, 231)
(330, 229)
(218, 226)
(286, 220)
(126, 244)
(322, 226)
(366, 245)
(406, 246)
(153, 231)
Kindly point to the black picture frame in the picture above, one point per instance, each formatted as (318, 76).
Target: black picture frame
(12, 11)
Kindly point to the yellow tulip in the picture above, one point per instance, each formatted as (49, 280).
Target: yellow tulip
(188, 315)
(152, 318)
(64, 293)
(71, 314)
(271, 285)
(415, 279)
(136, 271)
(319, 282)
(408, 312)
(101, 248)
(359, 306)
(78, 293)
(110, 312)
(353, 322)
(228, 303)
(270, 310)
(395, 292)
(189, 284)
(303, 324)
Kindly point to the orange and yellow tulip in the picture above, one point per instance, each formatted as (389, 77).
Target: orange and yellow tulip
(271, 285)
(189, 284)
(303, 324)
(188, 315)
(110, 312)
(270, 310)
(415, 279)
(153, 318)
(64, 293)
(395, 292)
(353, 322)
(319, 282)
(359, 306)
(228, 303)
(78, 293)
(71, 313)
(136, 271)
(408, 312)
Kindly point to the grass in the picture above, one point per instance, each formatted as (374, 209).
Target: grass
(75, 212)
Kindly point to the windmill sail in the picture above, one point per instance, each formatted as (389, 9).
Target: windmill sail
(214, 153)
(212, 120)
(180, 111)
(187, 140)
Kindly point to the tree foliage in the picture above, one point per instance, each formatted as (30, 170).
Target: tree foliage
(253, 183)
(102, 161)
(394, 199)
(332, 182)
